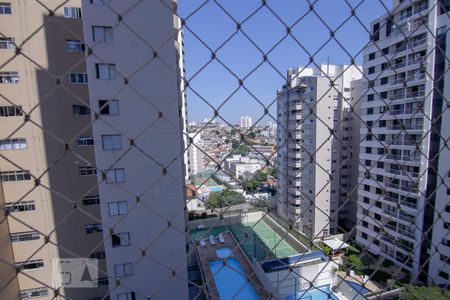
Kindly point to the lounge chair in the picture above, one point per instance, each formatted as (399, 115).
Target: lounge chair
(221, 238)
(211, 240)
(202, 243)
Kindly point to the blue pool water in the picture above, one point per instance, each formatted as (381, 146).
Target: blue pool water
(320, 293)
(224, 252)
(215, 189)
(231, 281)
(358, 287)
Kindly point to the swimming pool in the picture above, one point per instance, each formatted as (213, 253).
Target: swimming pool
(320, 293)
(224, 252)
(358, 287)
(231, 280)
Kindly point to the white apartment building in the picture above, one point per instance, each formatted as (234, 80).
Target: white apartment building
(140, 147)
(246, 122)
(196, 156)
(310, 143)
(403, 199)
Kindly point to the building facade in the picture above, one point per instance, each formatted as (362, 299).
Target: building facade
(48, 186)
(246, 122)
(311, 140)
(140, 150)
(403, 198)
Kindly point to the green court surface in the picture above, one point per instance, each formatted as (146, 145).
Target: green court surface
(256, 238)
(261, 242)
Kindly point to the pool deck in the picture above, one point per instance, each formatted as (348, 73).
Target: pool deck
(208, 253)
(370, 285)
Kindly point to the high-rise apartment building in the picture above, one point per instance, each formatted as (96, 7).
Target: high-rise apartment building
(403, 203)
(246, 122)
(311, 140)
(140, 147)
(48, 190)
(196, 156)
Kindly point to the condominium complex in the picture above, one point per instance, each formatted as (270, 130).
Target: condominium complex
(311, 138)
(48, 184)
(403, 199)
(246, 122)
(140, 148)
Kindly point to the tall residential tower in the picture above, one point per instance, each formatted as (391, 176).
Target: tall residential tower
(404, 203)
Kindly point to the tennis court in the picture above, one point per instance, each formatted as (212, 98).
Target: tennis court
(257, 239)
(260, 241)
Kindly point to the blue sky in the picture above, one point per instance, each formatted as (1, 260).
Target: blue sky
(213, 27)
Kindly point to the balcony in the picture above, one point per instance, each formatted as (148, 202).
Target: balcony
(417, 43)
(405, 127)
(403, 158)
(402, 187)
(402, 142)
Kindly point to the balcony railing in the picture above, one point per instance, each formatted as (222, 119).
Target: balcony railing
(405, 127)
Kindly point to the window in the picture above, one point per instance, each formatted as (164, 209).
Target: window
(120, 239)
(80, 110)
(30, 265)
(127, 296)
(123, 269)
(72, 12)
(364, 235)
(78, 78)
(385, 51)
(98, 255)
(11, 111)
(370, 97)
(368, 150)
(74, 46)
(87, 171)
(13, 144)
(102, 281)
(443, 275)
(372, 56)
(91, 200)
(447, 208)
(108, 107)
(115, 176)
(33, 293)
(24, 236)
(376, 32)
(105, 71)
(112, 142)
(371, 70)
(5, 8)
(20, 206)
(370, 110)
(382, 123)
(99, 2)
(85, 141)
(14, 176)
(117, 208)
(9, 77)
(7, 43)
(365, 224)
(384, 80)
(102, 34)
(92, 228)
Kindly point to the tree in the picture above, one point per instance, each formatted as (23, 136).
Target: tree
(251, 185)
(354, 263)
(224, 199)
(424, 293)
(260, 176)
